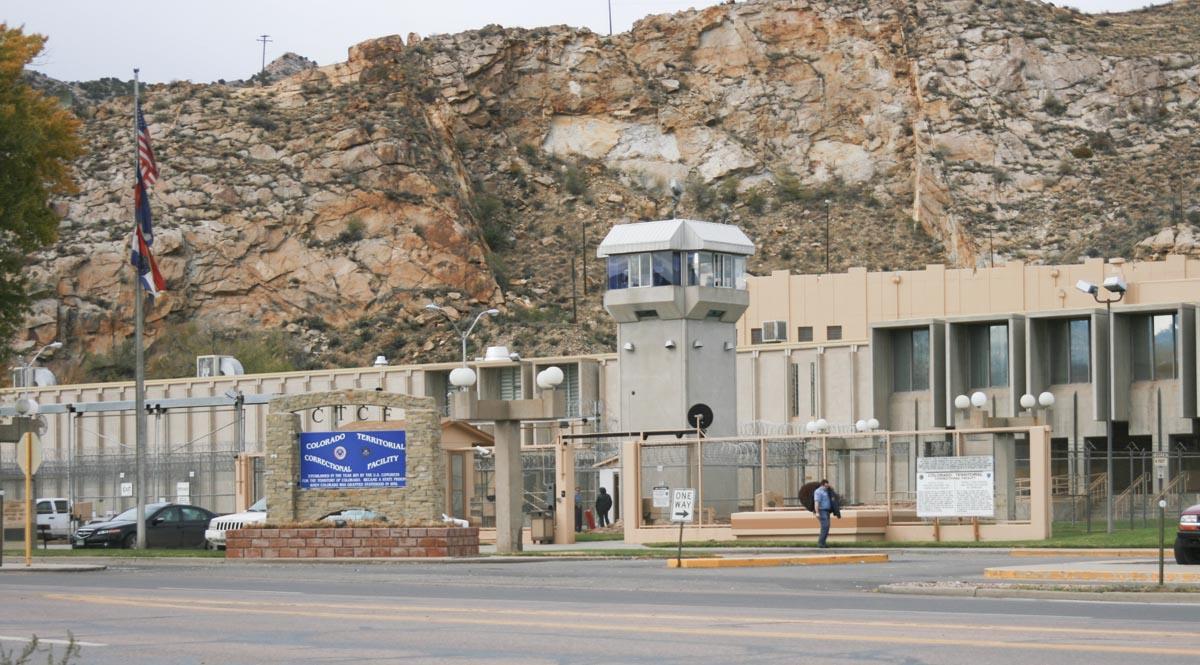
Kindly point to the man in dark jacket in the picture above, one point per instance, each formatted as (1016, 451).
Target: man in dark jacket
(603, 505)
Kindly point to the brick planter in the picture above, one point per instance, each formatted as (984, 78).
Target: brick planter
(351, 542)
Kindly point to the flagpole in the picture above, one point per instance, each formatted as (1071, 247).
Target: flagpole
(140, 372)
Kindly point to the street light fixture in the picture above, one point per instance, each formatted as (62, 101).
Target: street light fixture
(463, 334)
(1115, 284)
(26, 366)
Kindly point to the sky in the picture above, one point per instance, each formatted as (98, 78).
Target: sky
(206, 40)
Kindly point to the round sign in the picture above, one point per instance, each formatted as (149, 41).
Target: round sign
(339, 453)
(700, 415)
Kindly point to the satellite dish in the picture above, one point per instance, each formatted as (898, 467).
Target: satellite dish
(702, 412)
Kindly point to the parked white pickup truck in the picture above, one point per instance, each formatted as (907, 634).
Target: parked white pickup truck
(215, 534)
(54, 513)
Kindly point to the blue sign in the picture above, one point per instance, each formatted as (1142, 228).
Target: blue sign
(338, 460)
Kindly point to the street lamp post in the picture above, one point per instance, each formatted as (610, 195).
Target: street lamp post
(27, 378)
(463, 334)
(1114, 284)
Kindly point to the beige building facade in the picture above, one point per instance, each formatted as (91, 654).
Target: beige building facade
(894, 346)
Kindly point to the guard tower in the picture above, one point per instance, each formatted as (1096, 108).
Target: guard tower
(676, 288)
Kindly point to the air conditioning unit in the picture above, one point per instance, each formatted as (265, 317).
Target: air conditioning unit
(774, 331)
(33, 378)
(218, 366)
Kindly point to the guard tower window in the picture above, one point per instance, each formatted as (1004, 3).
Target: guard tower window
(804, 334)
(618, 272)
(726, 271)
(833, 333)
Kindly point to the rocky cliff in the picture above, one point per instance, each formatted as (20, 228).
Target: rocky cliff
(482, 168)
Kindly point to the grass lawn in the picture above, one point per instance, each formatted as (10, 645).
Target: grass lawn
(19, 553)
(593, 537)
(1066, 534)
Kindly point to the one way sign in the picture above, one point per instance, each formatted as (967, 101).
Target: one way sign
(682, 502)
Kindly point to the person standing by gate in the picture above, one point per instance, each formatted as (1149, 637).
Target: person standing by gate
(603, 505)
(578, 511)
(823, 502)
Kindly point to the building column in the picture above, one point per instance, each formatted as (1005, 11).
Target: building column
(510, 487)
(564, 501)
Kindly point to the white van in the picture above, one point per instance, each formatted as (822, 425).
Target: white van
(54, 513)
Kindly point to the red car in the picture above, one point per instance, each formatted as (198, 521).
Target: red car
(1187, 539)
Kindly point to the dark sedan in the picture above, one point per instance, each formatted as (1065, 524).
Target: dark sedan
(167, 525)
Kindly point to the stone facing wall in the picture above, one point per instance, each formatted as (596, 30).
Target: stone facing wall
(424, 498)
(351, 542)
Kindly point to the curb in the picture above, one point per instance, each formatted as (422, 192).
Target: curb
(1105, 553)
(50, 568)
(762, 562)
(1044, 594)
(1089, 575)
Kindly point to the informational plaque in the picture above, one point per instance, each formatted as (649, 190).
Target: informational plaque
(956, 486)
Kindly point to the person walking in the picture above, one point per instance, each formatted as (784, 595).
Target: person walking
(603, 505)
(578, 511)
(823, 502)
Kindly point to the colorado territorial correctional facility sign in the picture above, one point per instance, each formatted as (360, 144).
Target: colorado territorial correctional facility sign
(336, 460)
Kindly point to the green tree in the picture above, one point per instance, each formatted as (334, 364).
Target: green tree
(38, 142)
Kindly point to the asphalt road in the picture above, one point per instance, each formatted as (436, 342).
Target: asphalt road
(165, 612)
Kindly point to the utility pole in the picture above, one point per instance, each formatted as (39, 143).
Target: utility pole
(826, 236)
(583, 254)
(264, 39)
(574, 296)
(610, 18)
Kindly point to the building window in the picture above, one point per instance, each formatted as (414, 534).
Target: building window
(804, 334)
(910, 359)
(833, 333)
(510, 382)
(727, 271)
(666, 268)
(1153, 340)
(618, 272)
(793, 390)
(756, 335)
(1071, 346)
(640, 271)
(987, 354)
(571, 384)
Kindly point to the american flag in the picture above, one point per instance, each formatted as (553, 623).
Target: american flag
(147, 168)
(143, 231)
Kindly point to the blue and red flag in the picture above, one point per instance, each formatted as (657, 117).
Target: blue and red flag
(147, 267)
(143, 232)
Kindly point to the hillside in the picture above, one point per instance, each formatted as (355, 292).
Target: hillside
(470, 169)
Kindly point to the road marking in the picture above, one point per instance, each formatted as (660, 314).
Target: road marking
(47, 640)
(939, 625)
(239, 591)
(409, 614)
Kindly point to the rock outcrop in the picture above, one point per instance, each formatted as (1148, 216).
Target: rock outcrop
(482, 168)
